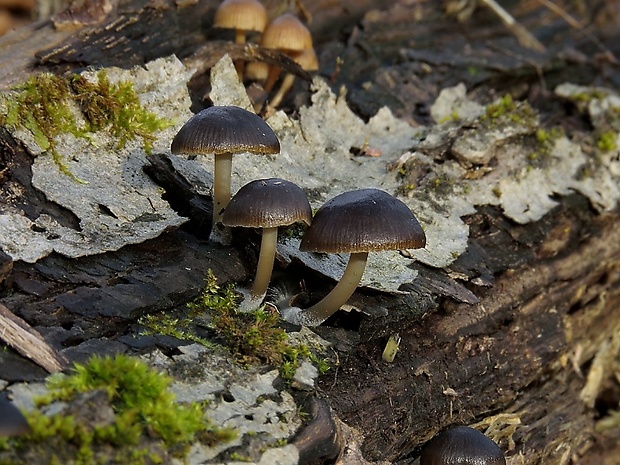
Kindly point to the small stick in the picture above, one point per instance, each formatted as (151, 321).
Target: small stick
(524, 36)
(28, 341)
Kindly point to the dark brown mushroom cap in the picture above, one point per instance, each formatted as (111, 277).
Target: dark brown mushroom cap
(225, 129)
(461, 445)
(268, 203)
(12, 422)
(363, 220)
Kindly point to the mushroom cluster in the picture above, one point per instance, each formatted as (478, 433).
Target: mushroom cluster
(355, 222)
(285, 33)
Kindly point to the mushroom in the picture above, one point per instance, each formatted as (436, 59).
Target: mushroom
(257, 71)
(12, 422)
(242, 16)
(308, 61)
(267, 204)
(288, 34)
(357, 222)
(462, 445)
(224, 131)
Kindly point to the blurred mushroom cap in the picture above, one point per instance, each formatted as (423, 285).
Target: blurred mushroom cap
(286, 32)
(256, 70)
(306, 59)
(461, 445)
(247, 15)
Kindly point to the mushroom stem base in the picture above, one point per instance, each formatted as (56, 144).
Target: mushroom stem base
(338, 296)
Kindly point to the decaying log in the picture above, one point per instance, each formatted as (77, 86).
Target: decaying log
(522, 356)
(521, 335)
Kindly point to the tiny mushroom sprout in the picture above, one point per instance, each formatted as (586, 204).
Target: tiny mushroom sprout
(12, 422)
(224, 131)
(242, 16)
(461, 445)
(356, 222)
(267, 204)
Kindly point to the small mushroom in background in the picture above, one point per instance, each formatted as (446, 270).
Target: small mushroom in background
(308, 61)
(357, 222)
(267, 204)
(461, 445)
(12, 422)
(224, 131)
(257, 71)
(287, 34)
(241, 16)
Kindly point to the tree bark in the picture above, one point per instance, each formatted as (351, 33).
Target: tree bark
(540, 348)
(520, 335)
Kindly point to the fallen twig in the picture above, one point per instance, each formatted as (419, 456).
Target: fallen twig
(27, 341)
(525, 37)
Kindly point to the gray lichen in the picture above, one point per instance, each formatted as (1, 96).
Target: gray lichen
(116, 203)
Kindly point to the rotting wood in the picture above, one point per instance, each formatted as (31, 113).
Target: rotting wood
(523, 351)
(22, 337)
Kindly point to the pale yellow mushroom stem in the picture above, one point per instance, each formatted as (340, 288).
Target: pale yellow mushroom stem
(272, 78)
(266, 258)
(286, 85)
(221, 185)
(240, 36)
(339, 295)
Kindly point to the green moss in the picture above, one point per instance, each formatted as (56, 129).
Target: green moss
(252, 337)
(181, 328)
(607, 141)
(49, 105)
(545, 141)
(507, 111)
(238, 457)
(589, 95)
(454, 116)
(147, 424)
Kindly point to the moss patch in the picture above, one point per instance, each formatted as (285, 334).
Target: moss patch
(607, 141)
(507, 111)
(252, 337)
(49, 105)
(545, 140)
(119, 411)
